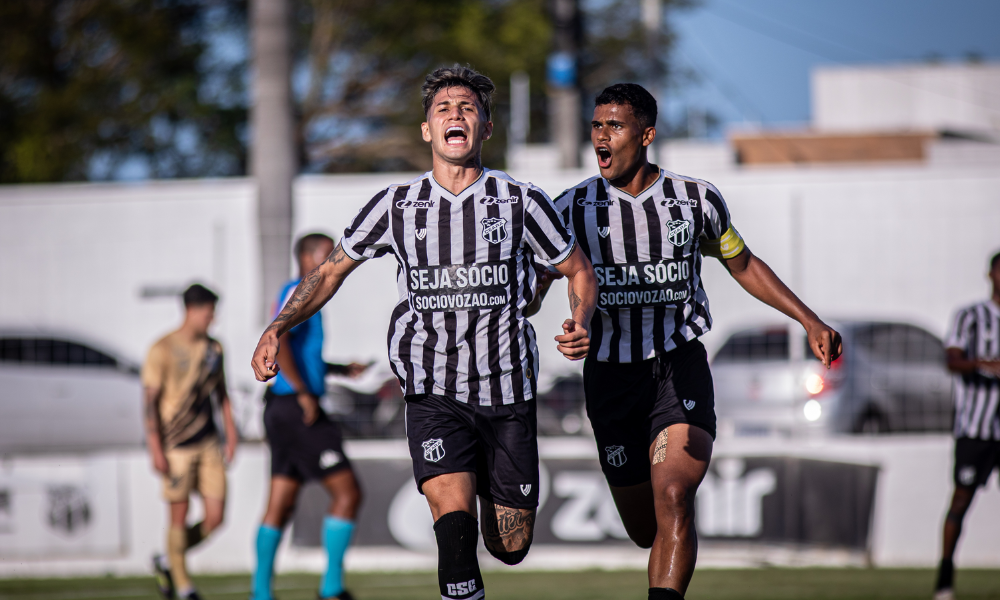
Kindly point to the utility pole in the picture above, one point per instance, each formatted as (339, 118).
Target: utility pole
(652, 18)
(564, 88)
(273, 158)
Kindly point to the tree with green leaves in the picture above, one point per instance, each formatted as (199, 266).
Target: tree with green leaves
(94, 89)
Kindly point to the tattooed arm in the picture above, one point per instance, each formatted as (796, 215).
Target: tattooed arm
(575, 341)
(151, 419)
(315, 290)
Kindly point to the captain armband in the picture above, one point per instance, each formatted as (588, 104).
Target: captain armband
(728, 246)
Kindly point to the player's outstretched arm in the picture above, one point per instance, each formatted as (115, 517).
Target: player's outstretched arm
(574, 343)
(759, 280)
(315, 290)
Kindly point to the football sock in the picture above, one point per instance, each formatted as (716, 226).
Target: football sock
(336, 537)
(268, 539)
(195, 534)
(176, 546)
(664, 594)
(946, 575)
(457, 535)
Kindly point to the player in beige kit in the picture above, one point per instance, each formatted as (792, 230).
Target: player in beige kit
(182, 375)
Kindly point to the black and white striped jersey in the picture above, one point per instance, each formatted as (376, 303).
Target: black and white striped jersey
(465, 277)
(647, 254)
(976, 331)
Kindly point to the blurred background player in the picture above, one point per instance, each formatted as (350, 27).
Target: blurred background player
(647, 378)
(459, 343)
(973, 355)
(305, 443)
(182, 374)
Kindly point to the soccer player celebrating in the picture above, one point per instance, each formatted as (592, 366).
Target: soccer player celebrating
(465, 238)
(647, 382)
(973, 355)
(305, 443)
(182, 374)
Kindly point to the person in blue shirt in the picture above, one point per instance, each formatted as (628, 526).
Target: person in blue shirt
(305, 443)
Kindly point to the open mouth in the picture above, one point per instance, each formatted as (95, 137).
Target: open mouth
(455, 136)
(603, 156)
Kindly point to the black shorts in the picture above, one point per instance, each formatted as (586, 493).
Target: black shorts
(629, 404)
(975, 460)
(497, 443)
(302, 452)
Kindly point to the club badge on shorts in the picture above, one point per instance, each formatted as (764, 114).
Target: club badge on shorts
(616, 455)
(433, 450)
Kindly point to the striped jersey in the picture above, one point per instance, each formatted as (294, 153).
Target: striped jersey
(464, 277)
(976, 331)
(647, 254)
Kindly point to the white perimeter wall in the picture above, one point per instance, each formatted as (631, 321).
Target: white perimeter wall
(903, 242)
(910, 502)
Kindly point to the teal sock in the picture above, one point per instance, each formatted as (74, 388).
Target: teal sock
(268, 539)
(336, 537)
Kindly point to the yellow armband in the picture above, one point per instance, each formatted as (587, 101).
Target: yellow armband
(728, 246)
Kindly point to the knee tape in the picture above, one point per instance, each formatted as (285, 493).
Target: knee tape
(457, 536)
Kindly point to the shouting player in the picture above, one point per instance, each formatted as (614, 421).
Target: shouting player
(465, 355)
(181, 376)
(973, 355)
(306, 444)
(648, 387)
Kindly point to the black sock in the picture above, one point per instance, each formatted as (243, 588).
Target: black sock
(946, 575)
(457, 536)
(664, 594)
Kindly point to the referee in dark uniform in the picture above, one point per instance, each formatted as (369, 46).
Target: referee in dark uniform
(973, 355)
(465, 239)
(648, 386)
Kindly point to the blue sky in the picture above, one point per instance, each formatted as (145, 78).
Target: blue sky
(753, 57)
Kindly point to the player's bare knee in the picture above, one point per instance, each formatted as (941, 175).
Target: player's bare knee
(641, 536)
(677, 499)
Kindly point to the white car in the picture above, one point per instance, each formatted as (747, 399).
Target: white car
(892, 378)
(62, 393)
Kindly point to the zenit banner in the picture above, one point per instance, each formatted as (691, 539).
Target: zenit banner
(764, 499)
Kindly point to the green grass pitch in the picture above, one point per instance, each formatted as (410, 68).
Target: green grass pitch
(708, 584)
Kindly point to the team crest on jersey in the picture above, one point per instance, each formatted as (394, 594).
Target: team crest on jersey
(689, 404)
(433, 449)
(494, 229)
(525, 488)
(421, 233)
(678, 232)
(616, 455)
(603, 231)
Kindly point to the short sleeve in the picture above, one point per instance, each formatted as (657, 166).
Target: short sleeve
(715, 214)
(545, 232)
(152, 369)
(368, 236)
(961, 326)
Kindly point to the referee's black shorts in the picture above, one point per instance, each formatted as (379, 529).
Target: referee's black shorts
(497, 443)
(629, 404)
(299, 451)
(975, 461)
